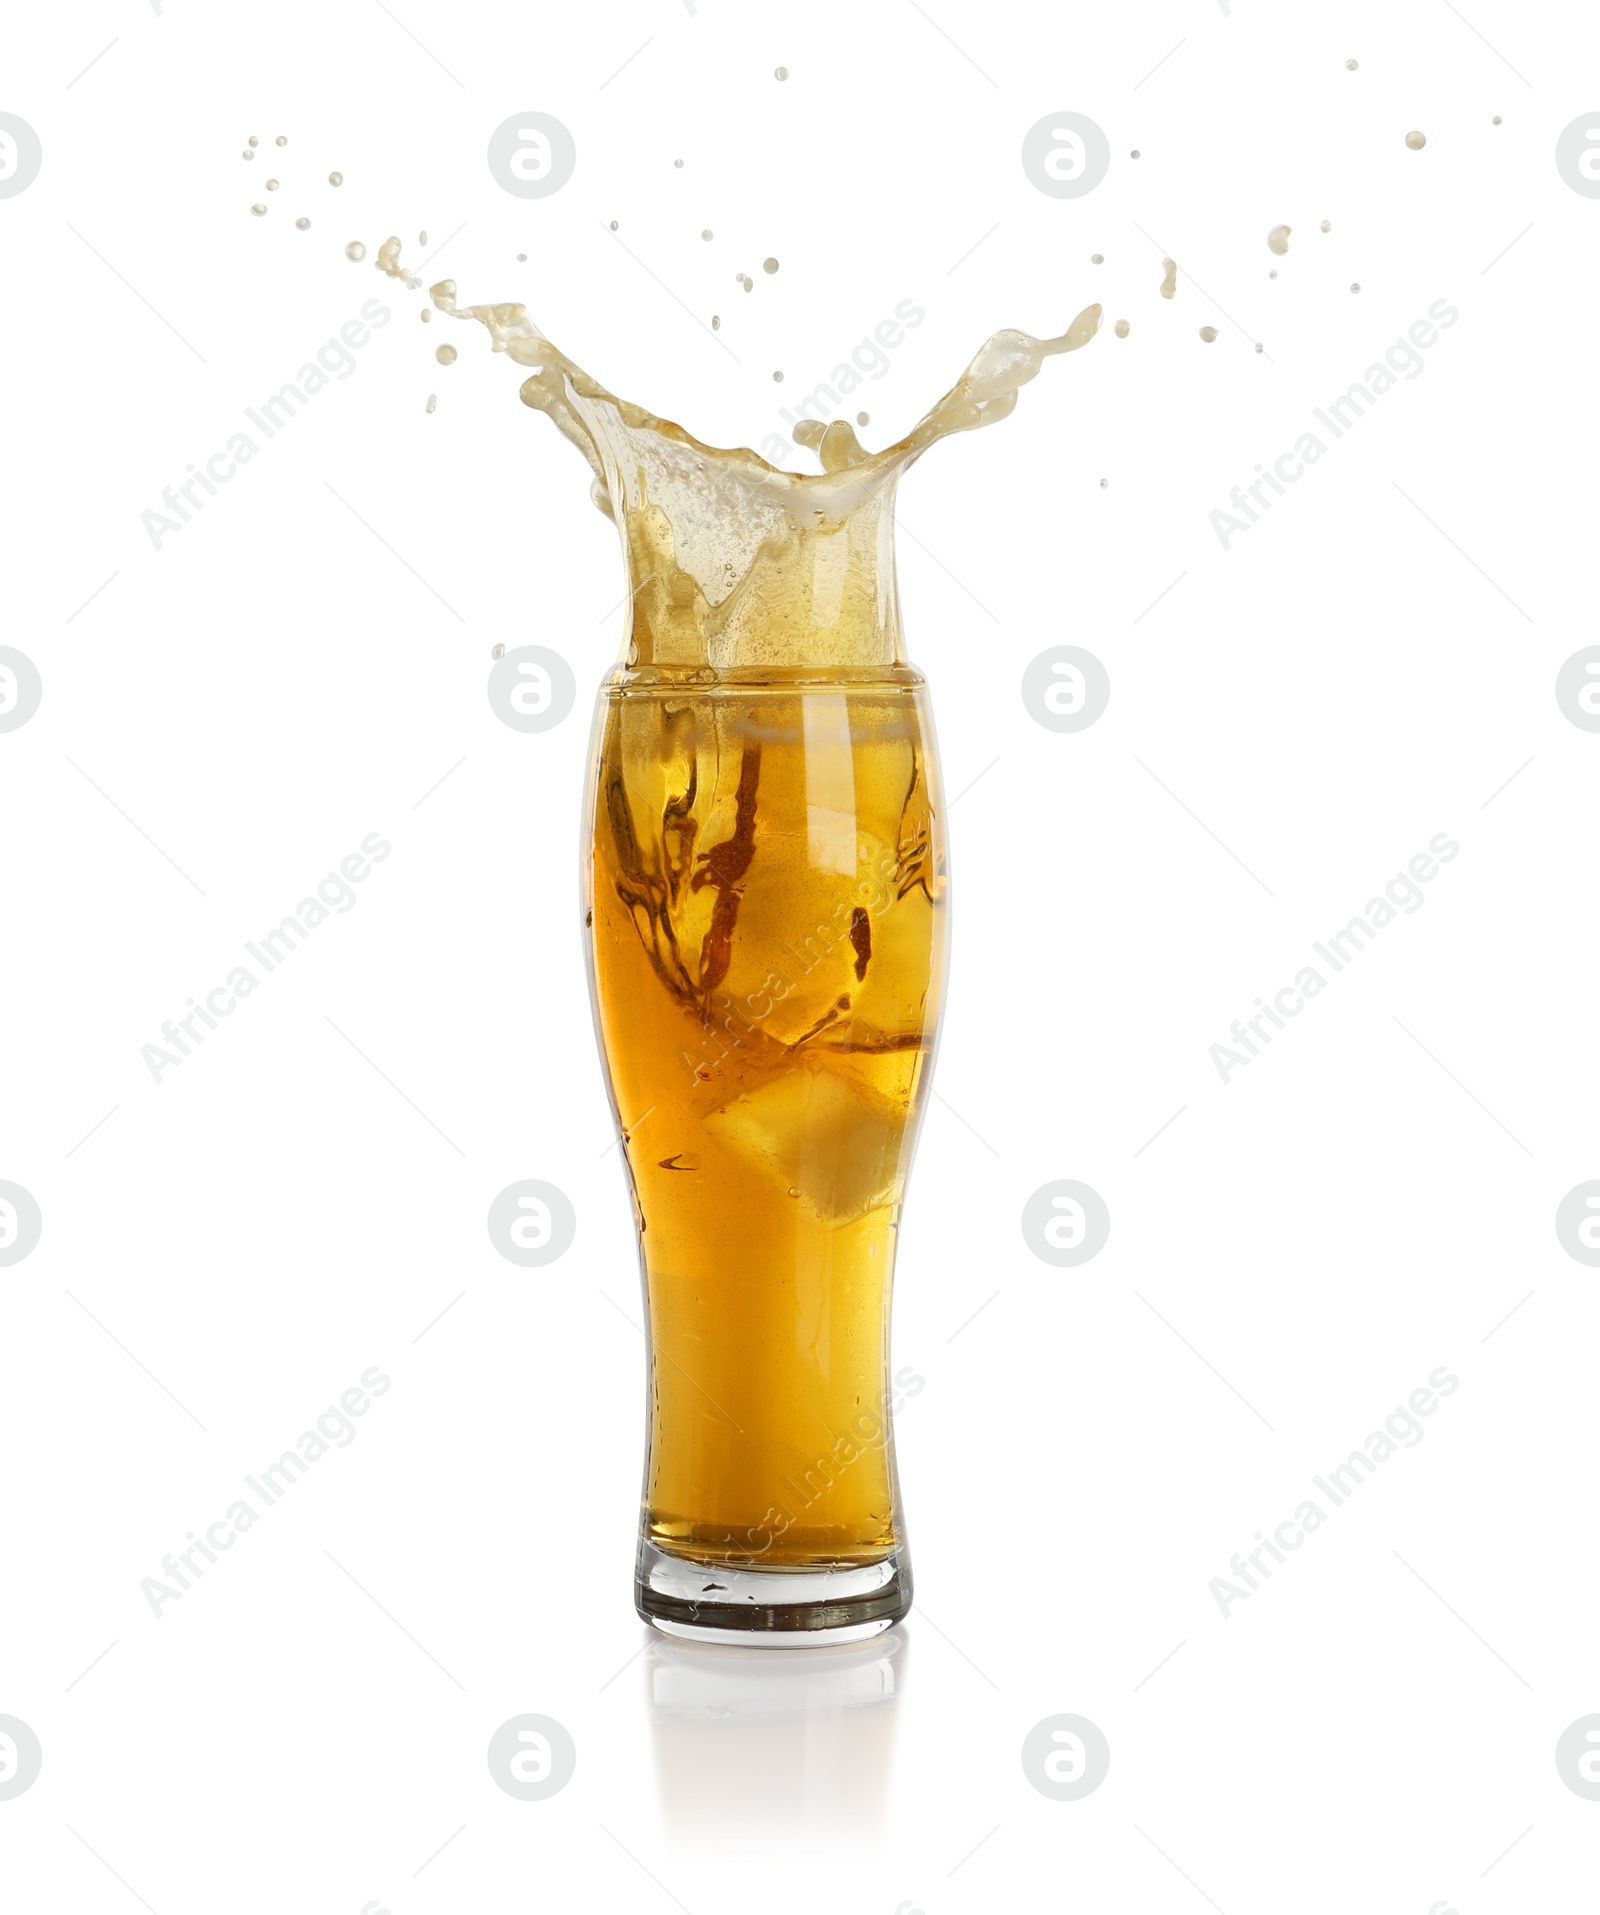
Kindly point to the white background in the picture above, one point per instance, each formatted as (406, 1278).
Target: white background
(1290, 1257)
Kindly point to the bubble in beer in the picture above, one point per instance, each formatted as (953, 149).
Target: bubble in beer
(1208, 334)
(1169, 284)
(336, 179)
(780, 73)
(863, 418)
(1121, 329)
(302, 223)
(1278, 239)
(258, 209)
(433, 400)
(282, 140)
(446, 355)
(1327, 225)
(355, 250)
(705, 232)
(769, 265)
(1416, 141)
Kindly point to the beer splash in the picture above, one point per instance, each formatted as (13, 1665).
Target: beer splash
(734, 562)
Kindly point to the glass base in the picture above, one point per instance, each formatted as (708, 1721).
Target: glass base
(771, 1608)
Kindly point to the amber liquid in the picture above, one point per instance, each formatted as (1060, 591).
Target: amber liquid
(767, 947)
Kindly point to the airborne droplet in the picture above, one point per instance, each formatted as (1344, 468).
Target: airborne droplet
(863, 418)
(1278, 239)
(258, 209)
(303, 223)
(433, 400)
(1208, 333)
(1169, 284)
(1327, 225)
(1416, 141)
(446, 355)
(355, 250)
(780, 73)
(282, 140)
(769, 265)
(1121, 329)
(336, 179)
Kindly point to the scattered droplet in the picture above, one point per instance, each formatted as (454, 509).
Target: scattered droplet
(780, 73)
(258, 209)
(498, 651)
(1355, 286)
(272, 186)
(1134, 154)
(1169, 284)
(1278, 239)
(336, 179)
(446, 355)
(248, 154)
(1121, 329)
(746, 282)
(254, 141)
(705, 232)
(433, 400)
(1495, 121)
(1208, 334)
(1260, 347)
(777, 378)
(863, 418)
(1104, 483)
(426, 316)
(283, 139)
(303, 223)
(1097, 259)
(677, 162)
(355, 250)
(422, 239)
(613, 226)
(1351, 65)
(522, 259)
(769, 265)
(716, 323)
(1273, 274)
(1416, 141)
(1327, 225)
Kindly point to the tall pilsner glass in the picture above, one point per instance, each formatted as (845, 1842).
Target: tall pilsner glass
(765, 919)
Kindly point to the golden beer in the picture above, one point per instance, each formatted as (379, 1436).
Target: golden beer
(766, 929)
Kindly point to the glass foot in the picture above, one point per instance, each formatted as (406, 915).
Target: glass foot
(776, 1608)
